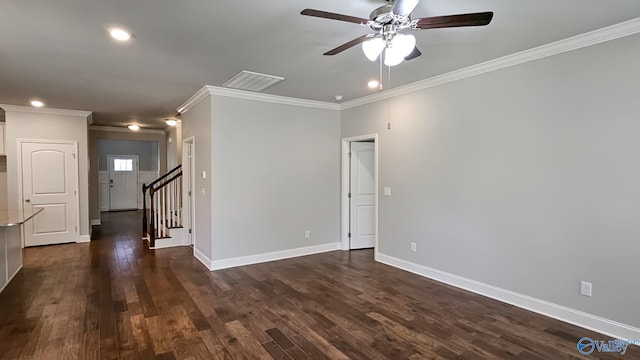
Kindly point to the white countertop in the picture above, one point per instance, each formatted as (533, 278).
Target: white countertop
(17, 217)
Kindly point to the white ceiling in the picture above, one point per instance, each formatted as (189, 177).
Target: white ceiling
(59, 51)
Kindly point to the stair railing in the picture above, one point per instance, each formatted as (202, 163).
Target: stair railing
(165, 205)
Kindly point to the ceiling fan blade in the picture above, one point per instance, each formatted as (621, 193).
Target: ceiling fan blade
(474, 19)
(334, 16)
(348, 45)
(404, 7)
(414, 54)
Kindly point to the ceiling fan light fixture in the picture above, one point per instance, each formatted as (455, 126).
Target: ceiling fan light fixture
(403, 44)
(372, 48)
(392, 57)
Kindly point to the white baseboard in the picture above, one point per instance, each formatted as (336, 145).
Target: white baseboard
(272, 256)
(202, 258)
(95, 222)
(167, 243)
(562, 313)
(84, 239)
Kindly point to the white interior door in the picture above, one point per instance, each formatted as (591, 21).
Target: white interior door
(49, 173)
(123, 182)
(187, 176)
(363, 191)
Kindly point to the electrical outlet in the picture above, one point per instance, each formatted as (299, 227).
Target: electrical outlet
(413, 247)
(307, 234)
(585, 288)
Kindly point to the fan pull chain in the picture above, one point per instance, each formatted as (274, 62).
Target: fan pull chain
(389, 103)
(380, 77)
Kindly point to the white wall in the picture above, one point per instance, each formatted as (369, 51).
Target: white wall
(196, 122)
(275, 174)
(174, 145)
(50, 124)
(272, 172)
(524, 178)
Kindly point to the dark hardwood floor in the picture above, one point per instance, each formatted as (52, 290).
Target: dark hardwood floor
(114, 299)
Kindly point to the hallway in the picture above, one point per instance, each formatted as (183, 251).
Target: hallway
(114, 299)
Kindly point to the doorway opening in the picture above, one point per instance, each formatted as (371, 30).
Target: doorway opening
(148, 154)
(360, 192)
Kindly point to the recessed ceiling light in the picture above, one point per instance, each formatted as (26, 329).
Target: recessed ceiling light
(171, 122)
(37, 103)
(373, 84)
(134, 127)
(119, 34)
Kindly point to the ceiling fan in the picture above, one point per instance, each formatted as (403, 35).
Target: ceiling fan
(388, 23)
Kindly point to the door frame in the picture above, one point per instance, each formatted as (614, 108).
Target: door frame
(137, 170)
(192, 184)
(346, 176)
(74, 143)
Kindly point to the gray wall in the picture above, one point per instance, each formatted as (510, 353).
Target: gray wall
(276, 173)
(524, 178)
(147, 152)
(197, 123)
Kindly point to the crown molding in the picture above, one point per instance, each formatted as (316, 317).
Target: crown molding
(277, 99)
(194, 100)
(125, 130)
(49, 111)
(605, 34)
(250, 95)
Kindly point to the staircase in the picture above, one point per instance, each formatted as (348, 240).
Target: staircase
(162, 221)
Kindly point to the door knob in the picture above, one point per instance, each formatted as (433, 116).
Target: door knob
(27, 200)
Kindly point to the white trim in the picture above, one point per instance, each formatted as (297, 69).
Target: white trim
(571, 316)
(20, 141)
(250, 95)
(95, 222)
(202, 258)
(50, 111)
(344, 237)
(558, 47)
(84, 239)
(169, 242)
(273, 256)
(125, 130)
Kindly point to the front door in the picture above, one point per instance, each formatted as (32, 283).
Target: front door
(363, 191)
(123, 182)
(49, 172)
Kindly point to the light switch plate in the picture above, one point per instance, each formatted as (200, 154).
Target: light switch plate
(387, 191)
(203, 175)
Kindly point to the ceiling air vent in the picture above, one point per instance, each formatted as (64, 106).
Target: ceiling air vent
(248, 80)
